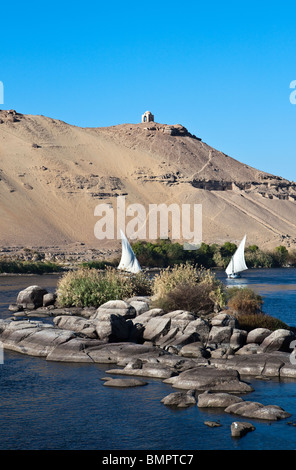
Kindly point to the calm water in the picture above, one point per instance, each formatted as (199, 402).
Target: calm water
(47, 405)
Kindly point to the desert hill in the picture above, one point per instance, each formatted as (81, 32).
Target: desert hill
(53, 175)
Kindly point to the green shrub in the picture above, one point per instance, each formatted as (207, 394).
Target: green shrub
(250, 321)
(244, 300)
(28, 267)
(87, 287)
(96, 264)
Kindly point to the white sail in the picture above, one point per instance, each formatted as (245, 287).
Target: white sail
(128, 260)
(237, 263)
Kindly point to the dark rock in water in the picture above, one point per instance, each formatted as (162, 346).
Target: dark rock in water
(240, 429)
(210, 378)
(31, 297)
(217, 400)
(250, 409)
(180, 399)
(213, 424)
(147, 369)
(124, 383)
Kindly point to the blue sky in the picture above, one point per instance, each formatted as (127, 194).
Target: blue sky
(221, 69)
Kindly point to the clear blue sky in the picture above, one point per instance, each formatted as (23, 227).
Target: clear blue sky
(222, 69)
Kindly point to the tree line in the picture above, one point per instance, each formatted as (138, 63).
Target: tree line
(164, 253)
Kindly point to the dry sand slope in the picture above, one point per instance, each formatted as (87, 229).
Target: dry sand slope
(53, 175)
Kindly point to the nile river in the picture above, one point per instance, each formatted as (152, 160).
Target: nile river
(63, 406)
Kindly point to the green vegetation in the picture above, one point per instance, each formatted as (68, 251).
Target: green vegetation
(87, 287)
(164, 253)
(28, 267)
(97, 264)
(182, 287)
(250, 321)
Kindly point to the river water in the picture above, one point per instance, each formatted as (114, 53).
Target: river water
(63, 406)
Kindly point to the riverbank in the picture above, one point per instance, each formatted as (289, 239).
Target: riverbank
(156, 255)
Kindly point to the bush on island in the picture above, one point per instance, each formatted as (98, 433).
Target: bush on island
(186, 288)
(86, 287)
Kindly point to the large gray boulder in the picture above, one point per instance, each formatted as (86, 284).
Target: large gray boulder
(118, 307)
(278, 340)
(49, 299)
(217, 400)
(156, 327)
(237, 339)
(32, 337)
(124, 383)
(264, 364)
(255, 410)
(219, 335)
(31, 297)
(78, 324)
(194, 350)
(257, 335)
(180, 399)
(112, 327)
(145, 369)
(180, 319)
(181, 340)
(224, 319)
(211, 379)
(96, 351)
(201, 327)
(145, 317)
(140, 306)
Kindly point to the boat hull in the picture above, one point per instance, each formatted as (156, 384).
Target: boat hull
(234, 276)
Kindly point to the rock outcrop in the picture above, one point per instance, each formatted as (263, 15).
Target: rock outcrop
(180, 399)
(240, 429)
(31, 297)
(250, 409)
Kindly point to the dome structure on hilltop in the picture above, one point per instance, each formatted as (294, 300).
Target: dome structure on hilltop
(147, 117)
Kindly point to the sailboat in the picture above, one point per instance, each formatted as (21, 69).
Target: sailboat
(237, 263)
(128, 260)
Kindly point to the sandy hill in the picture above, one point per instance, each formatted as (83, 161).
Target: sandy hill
(53, 175)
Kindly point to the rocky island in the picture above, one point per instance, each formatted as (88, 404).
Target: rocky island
(207, 360)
